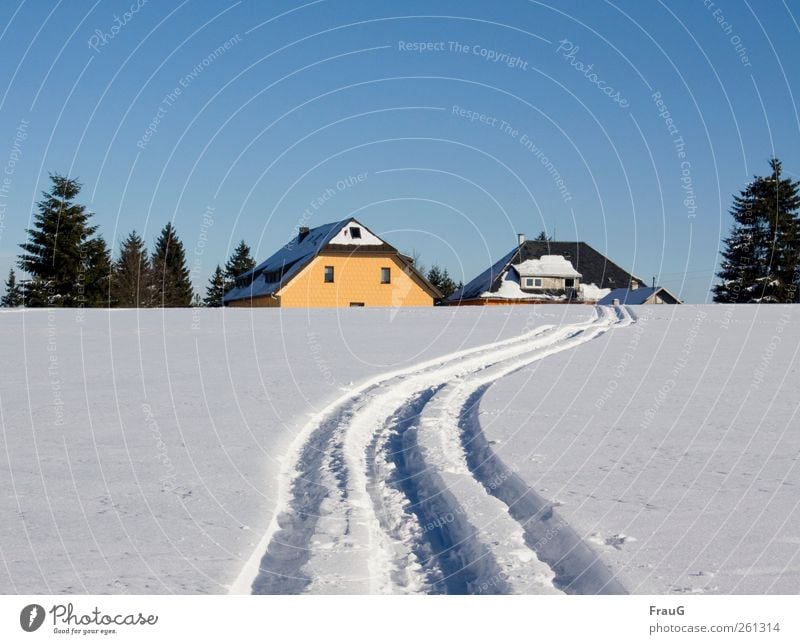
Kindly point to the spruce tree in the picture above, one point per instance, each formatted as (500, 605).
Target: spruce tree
(781, 201)
(761, 255)
(435, 276)
(132, 284)
(13, 294)
(95, 280)
(55, 253)
(172, 285)
(447, 286)
(742, 265)
(240, 262)
(215, 290)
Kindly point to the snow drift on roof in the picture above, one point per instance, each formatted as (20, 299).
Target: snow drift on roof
(546, 266)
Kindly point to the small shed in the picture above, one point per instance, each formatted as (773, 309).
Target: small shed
(644, 295)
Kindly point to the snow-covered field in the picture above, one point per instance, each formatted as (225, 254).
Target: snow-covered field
(538, 449)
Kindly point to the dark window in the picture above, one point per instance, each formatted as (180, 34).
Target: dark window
(329, 274)
(355, 232)
(386, 276)
(357, 304)
(569, 283)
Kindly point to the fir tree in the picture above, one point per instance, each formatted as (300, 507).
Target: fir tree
(132, 284)
(542, 236)
(435, 277)
(94, 284)
(172, 285)
(441, 280)
(55, 253)
(761, 255)
(13, 294)
(781, 201)
(240, 262)
(215, 289)
(447, 286)
(741, 267)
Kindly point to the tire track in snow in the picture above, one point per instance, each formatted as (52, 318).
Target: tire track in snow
(457, 447)
(330, 480)
(578, 569)
(276, 566)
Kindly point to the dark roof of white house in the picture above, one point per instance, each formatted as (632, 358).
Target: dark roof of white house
(594, 267)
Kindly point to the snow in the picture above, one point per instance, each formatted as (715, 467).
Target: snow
(671, 447)
(593, 293)
(547, 266)
(555, 449)
(140, 449)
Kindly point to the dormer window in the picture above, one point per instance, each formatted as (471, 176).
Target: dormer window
(355, 232)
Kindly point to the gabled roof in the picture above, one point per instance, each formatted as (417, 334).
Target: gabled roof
(594, 267)
(484, 281)
(639, 295)
(272, 274)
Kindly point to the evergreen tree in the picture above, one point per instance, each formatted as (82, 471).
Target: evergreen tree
(781, 202)
(741, 267)
(240, 262)
(761, 256)
(13, 294)
(132, 284)
(172, 285)
(542, 236)
(447, 286)
(441, 280)
(215, 289)
(435, 276)
(95, 280)
(55, 253)
(35, 293)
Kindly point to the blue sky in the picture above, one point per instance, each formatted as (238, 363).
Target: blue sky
(511, 116)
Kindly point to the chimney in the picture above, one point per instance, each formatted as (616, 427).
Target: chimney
(302, 232)
(520, 239)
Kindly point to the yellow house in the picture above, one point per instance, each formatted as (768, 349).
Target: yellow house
(338, 264)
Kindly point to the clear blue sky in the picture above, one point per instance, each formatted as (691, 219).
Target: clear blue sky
(280, 101)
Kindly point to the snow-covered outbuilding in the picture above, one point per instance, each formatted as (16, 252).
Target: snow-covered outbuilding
(546, 271)
(337, 264)
(646, 295)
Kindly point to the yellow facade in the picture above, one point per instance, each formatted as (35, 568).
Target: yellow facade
(356, 281)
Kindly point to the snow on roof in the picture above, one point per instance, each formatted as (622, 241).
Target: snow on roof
(287, 261)
(482, 282)
(546, 266)
(592, 293)
(510, 289)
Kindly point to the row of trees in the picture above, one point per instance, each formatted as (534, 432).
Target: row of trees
(70, 265)
(761, 258)
(441, 279)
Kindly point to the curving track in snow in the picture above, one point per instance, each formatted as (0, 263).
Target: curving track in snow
(394, 489)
